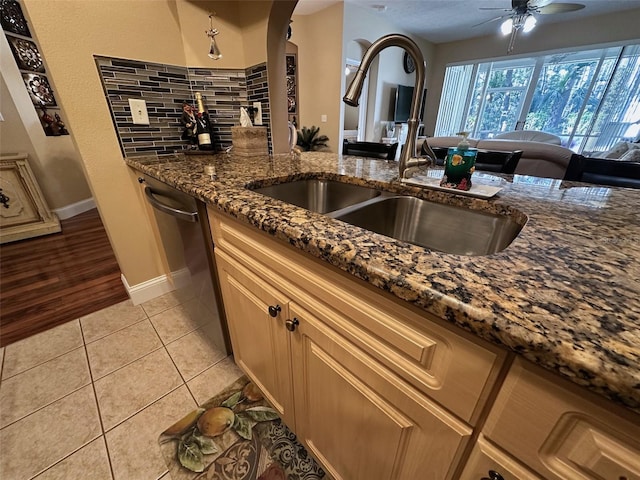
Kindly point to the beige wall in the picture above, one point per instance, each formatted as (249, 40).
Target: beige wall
(242, 25)
(320, 70)
(365, 27)
(70, 32)
(616, 27)
(54, 160)
(324, 39)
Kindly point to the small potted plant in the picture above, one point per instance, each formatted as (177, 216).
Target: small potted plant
(309, 140)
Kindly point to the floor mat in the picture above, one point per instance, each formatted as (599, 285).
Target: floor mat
(235, 435)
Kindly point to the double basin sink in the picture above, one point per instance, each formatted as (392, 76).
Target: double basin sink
(437, 226)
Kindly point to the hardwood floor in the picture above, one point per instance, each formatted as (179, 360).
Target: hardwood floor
(49, 280)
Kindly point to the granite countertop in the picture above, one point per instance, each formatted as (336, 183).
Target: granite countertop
(565, 294)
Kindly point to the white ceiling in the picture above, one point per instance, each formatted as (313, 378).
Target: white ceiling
(441, 21)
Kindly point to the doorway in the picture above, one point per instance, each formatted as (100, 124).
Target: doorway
(355, 118)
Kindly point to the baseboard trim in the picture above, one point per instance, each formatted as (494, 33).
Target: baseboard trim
(75, 208)
(148, 290)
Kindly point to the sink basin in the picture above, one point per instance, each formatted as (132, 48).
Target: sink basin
(318, 195)
(446, 228)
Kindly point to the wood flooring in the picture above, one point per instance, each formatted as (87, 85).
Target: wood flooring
(49, 280)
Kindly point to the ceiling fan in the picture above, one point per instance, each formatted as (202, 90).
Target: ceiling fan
(522, 15)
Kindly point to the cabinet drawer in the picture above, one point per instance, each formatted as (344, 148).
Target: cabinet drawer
(419, 347)
(557, 430)
(488, 462)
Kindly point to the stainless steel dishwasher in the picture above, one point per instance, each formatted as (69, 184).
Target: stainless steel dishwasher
(183, 226)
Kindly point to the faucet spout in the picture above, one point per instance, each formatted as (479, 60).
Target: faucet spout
(352, 95)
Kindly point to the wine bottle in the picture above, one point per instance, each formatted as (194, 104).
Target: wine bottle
(203, 124)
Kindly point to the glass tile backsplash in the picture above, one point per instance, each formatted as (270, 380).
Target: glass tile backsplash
(165, 88)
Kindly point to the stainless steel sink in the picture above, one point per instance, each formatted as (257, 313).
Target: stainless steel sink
(437, 226)
(321, 196)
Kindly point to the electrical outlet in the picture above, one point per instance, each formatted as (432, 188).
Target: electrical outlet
(323, 118)
(257, 116)
(139, 111)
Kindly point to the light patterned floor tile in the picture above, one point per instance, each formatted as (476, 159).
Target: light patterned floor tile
(45, 437)
(214, 380)
(111, 319)
(194, 353)
(122, 347)
(32, 351)
(166, 301)
(133, 445)
(28, 391)
(91, 462)
(178, 321)
(130, 389)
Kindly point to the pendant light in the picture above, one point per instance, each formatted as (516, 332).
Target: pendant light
(214, 50)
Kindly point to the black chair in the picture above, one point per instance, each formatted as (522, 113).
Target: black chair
(370, 149)
(603, 171)
(497, 161)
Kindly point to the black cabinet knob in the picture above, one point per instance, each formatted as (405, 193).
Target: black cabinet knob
(493, 475)
(140, 180)
(292, 324)
(274, 311)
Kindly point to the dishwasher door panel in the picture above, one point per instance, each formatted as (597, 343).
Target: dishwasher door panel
(186, 239)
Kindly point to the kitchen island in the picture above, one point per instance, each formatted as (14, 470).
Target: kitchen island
(522, 363)
(565, 294)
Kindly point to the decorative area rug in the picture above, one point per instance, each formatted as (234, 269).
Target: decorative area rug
(235, 435)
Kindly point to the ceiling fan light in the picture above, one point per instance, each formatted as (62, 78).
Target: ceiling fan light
(506, 26)
(529, 24)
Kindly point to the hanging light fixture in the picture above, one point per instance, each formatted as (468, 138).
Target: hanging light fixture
(525, 22)
(214, 51)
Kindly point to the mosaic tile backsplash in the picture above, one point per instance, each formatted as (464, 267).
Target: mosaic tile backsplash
(165, 88)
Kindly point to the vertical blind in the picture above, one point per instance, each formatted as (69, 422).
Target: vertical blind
(589, 98)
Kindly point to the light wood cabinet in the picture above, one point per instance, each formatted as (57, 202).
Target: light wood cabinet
(563, 432)
(256, 313)
(375, 390)
(453, 369)
(359, 419)
(488, 462)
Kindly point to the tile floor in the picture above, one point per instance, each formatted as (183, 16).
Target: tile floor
(88, 399)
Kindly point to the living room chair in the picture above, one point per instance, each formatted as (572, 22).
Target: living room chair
(603, 171)
(487, 160)
(370, 149)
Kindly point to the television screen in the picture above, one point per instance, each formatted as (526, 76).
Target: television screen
(404, 94)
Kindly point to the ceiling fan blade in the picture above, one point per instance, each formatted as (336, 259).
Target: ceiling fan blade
(494, 8)
(560, 8)
(489, 21)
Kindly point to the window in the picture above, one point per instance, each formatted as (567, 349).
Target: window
(590, 98)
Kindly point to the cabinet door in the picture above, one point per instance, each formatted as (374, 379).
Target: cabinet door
(561, 431)
(256, 313)
(488, 462)
(359, 419)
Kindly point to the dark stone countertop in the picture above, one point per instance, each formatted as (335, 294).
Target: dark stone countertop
(565, 294)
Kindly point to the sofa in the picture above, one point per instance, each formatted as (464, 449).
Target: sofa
(538, 159)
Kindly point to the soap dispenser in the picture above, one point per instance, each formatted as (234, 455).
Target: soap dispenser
(459, 165)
